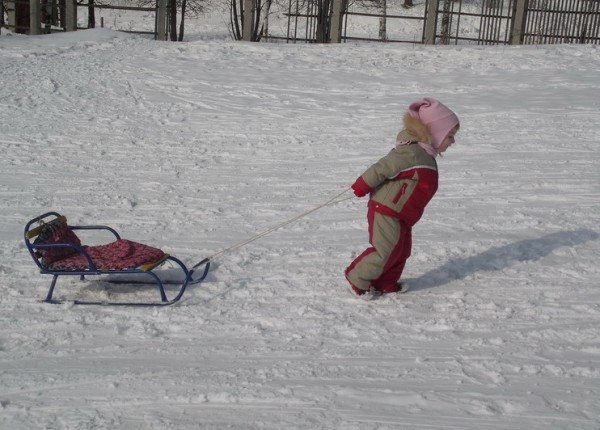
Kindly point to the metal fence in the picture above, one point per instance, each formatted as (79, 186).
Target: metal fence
(562, 21)
(18, 15)
(519, 21)
(482, 22)
(46, 16)
(90, 9)
(395, 24)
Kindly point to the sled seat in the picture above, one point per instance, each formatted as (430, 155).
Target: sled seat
(58, 251)
(121, 254)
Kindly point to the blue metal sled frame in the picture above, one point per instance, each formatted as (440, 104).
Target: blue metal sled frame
(93, 270)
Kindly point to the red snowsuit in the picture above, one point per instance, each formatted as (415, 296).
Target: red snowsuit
(401, 184)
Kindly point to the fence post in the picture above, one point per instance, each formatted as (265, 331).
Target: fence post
(519, 19)
(161, 20)
(1, 16)
(336, 21)
(431, 22)
(71, 15)
(35, 25)
(247, 21)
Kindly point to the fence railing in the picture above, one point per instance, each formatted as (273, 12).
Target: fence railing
(562, 21)
(130, 8)
(520, 21)
(483, 22)
(45, 16)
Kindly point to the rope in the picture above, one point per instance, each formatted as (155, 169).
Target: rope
(332, 201)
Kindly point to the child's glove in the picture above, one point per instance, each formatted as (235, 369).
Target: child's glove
(361, 188)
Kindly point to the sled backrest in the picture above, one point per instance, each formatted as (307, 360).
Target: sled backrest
(54, 240)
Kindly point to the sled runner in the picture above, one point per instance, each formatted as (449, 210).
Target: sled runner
(58, 251)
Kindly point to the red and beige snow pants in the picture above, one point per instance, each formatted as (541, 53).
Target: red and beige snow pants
(381, 264)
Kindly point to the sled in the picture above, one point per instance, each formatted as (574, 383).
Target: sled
(57, 250)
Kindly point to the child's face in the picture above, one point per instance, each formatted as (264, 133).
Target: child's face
(449, 140)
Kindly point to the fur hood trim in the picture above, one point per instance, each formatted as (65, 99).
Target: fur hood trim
(414, 130)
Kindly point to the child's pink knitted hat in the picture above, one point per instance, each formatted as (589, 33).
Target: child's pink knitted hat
(437, 117)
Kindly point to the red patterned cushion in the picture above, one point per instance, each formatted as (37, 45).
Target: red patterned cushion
(118, 255)
(56, 231)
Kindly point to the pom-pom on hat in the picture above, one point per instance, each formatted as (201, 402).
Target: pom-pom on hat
(438, 118)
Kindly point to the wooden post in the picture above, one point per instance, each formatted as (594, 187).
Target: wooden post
(383, 21)
(431, 22)
(35, 25)
(1, 16)
(71, 15)
(519, 19)
(161, 20)
(337, 14)
(248, 20)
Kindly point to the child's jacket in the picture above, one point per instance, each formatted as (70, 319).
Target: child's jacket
(401, 183)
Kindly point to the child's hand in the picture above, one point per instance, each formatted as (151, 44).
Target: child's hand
(360, 188)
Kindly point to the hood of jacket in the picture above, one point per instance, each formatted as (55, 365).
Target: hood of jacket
(414, 131)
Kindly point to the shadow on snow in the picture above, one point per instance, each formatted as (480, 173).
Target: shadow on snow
(498, 258)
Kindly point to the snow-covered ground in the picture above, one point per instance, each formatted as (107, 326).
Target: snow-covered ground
(194, 147)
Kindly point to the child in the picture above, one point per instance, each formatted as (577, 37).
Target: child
(401, 184)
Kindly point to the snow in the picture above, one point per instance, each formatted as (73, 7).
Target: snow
(195, 147)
